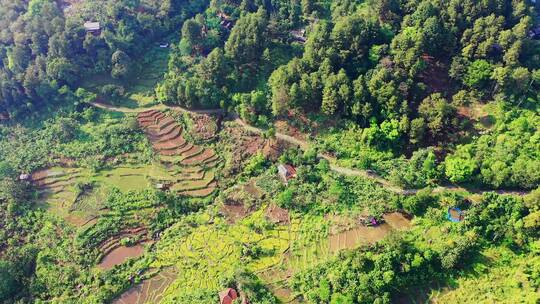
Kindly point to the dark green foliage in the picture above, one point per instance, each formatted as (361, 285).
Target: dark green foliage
(251, 286)
(248, 38)
(368, 275)
(499, 218)
(46, 49)
(8, 284)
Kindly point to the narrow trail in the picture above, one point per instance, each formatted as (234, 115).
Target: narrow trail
(304, 145)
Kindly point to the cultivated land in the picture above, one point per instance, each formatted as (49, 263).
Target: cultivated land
(337, 152)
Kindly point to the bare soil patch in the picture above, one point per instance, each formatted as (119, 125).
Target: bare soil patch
(234, 213)
(119, 255)
(277, 214)
(197, 159)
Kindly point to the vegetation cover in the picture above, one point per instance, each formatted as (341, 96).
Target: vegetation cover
(296, 151)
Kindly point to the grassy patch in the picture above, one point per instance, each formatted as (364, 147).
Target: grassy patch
(139, 86)
(499, 276)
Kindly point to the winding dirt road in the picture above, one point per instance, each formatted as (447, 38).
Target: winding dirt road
(304, 145)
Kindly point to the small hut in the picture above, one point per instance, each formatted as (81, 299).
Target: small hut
(24, 177)
(4, 116)
(163, 186)
(227, 296)
(286, 172)
(225, 21)
(455, 215)
(534, 33)
(299, 35)
(93, 28)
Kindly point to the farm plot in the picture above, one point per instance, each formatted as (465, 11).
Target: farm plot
(57, 189)
(190, 168)
(150, 290)
(78, 194)
(212, 252)
(312, 244)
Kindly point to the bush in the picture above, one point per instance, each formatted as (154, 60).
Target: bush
(113, 92)
(255, 165)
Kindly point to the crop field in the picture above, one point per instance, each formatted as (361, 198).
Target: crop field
(150, 290)
(58, 189)
(498, 267)
(213, 251)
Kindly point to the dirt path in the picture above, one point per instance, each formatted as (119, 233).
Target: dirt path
(304, 145)
(158, 107)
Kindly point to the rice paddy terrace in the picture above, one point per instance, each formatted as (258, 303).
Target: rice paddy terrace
(190, 167)
(212, 248)
(216, 248)
(79, 195)
(181, 167)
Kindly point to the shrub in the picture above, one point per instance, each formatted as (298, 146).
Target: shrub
(113, 92)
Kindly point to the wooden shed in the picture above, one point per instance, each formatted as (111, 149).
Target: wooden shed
(286, 172)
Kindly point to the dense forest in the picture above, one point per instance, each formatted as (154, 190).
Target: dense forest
(296, 151)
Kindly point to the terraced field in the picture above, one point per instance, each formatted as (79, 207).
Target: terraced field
(57, 189)
(214, 250)
(150, 290)
(189, 168)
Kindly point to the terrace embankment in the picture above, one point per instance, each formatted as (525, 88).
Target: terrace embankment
(191, 166)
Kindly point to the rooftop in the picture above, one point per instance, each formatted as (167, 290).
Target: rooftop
(92, 26)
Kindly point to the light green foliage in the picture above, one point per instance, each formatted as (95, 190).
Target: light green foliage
(438, 114)
(460, 167)
(478, 74)
(371, 87)
(507, 157)
(419, 171)
(255, 165)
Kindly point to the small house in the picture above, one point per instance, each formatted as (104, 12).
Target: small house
(535, 33)
(163, 186)
(93, 28)
(455, 215)
(4, 116)
(227, 296)
(286, 172)
(299, 35)
(24, 177)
